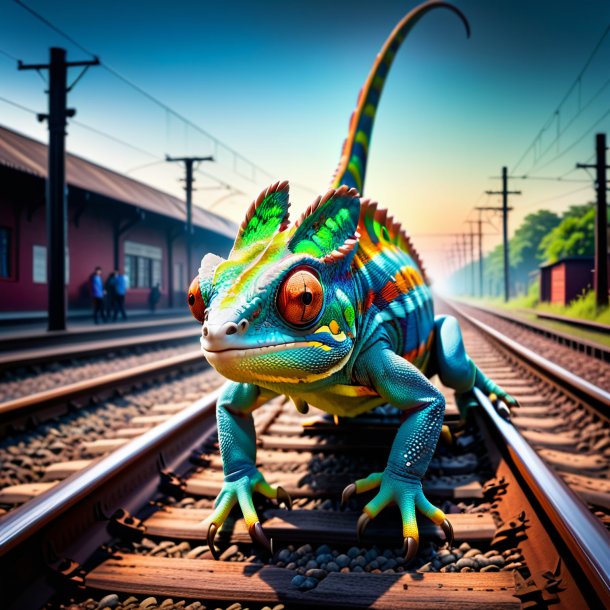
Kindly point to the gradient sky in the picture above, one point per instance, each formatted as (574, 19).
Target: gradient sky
(277, 81)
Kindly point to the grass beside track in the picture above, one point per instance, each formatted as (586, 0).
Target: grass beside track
(519, 311)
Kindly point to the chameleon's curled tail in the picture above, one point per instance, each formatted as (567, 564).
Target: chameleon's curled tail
(352, 165)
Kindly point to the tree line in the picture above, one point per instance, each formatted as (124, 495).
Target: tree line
(543, 237)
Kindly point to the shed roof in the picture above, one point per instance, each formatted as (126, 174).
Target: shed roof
(25, 154)
(569, 259)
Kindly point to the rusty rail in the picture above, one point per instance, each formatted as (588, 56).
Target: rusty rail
(583, 534)
(592, 348)
(588, 393)
(35, 406)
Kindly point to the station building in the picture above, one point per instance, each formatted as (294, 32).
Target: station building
(114, 222)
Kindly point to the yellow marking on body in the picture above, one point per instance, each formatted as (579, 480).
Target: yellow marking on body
(369, 110)
(354, 170)
(338, 334)
(353, 390)
(361, 138)
(323, 346)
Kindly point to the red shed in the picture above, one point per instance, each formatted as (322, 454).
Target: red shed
(113, 221)
(566, 279)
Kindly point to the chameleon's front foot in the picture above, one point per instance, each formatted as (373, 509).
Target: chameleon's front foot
(240, 491)
(407, 493)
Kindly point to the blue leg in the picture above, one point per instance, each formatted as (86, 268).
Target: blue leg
(456, 370)
(237, 440)
(405, 387)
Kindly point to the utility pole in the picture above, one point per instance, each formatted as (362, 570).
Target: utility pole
(464, 237)
(600, 278)
(505, 209)
(460, 247)
(472, 280)
(482, 209)
(56, 205)
(480, 227)
(188, 187)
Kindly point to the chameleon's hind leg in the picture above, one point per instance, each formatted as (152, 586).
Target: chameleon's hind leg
(456, 370)
(405, 387)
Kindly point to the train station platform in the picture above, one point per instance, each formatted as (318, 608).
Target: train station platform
(28, 330)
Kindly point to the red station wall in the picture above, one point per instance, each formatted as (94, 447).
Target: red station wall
(90, 244)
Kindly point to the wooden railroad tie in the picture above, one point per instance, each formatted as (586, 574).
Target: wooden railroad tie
(255, 583)
(316, 527)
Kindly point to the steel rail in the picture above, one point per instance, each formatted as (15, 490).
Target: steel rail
(590, 394)
(583, 534)
(22, 523)
(35, 338)
(578, 323)
(27, 405)
(89, 348)
(597, 350)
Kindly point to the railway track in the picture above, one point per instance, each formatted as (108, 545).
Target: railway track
(523, 539)
(31, 409)
(563, 416)
(589, 347)
(34, 349)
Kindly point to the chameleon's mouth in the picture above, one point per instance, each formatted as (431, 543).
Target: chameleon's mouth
(232, 352)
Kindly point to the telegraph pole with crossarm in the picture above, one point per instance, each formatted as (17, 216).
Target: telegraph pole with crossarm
(600, 279)
(188, 187)
(505, 209)
(56, 207)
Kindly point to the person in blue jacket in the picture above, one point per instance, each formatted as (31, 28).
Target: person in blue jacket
(97, 295)
(120, 289)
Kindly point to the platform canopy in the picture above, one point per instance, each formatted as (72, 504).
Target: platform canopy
(25, 154)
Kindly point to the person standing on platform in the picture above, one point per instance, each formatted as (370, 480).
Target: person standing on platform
(110, 300)
(97, 295)
(120, 289)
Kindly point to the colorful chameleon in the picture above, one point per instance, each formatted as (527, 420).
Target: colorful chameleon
(332, 311)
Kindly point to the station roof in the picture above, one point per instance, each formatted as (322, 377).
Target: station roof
(23, 153)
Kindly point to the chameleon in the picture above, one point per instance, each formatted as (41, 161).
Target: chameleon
(335, 311)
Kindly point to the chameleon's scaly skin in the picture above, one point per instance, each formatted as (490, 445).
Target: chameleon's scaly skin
(373, 340)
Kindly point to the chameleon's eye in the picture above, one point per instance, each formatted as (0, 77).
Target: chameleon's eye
(300, 297)
(195, 301)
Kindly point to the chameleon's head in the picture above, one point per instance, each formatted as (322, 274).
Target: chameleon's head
(281, 309)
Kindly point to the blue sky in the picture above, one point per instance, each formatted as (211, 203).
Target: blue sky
(277, 82)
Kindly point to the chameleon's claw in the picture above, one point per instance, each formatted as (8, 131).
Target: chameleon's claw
(211, 535)
(410, 547)
(348, 492)
(502, 410)
(284, 496)
(258, 536)
(363, 521)
(448, 529)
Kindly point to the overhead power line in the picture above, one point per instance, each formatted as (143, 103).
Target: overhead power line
(546, 178)
(576, 142)
(155, 100)
(157, 158)
(8, 55)
(555, 117)
(555, 197)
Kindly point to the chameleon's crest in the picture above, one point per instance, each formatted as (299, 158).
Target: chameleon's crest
(327, 230)
(266, 216)
(379, 228)
(208, 266)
